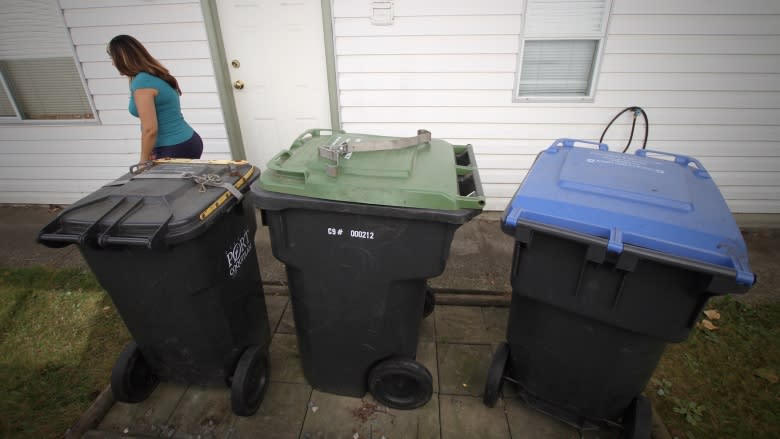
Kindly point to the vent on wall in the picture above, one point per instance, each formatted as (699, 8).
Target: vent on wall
(382, 13)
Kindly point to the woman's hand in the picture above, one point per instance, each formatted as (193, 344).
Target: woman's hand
(147, 113)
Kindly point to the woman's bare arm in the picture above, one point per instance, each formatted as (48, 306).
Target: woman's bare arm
(147, 113)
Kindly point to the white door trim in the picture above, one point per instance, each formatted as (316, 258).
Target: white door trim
(225, 87)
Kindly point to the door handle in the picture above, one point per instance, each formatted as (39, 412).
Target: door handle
(238, 85)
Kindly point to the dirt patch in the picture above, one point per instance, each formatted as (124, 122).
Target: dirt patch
(764, 258)
(366, 411)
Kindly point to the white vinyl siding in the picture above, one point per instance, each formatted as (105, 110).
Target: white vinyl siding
(60, 164)
(707, 73)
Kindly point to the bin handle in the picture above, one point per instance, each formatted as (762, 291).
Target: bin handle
(140, 167)
(333, 152)
(276, 162)
(313, 132)
(475, 199)
(124, 240)
(55, 240)
(105, 239)
(569, 143)
(51, 235)
(680, 159)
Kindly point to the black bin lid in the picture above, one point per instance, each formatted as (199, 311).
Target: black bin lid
(167, 201)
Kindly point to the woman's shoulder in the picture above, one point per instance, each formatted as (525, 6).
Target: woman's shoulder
(145, 80)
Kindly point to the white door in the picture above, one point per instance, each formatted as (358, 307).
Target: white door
(276, 52)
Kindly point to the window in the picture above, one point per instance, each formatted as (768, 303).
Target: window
(560, 49)
(39, 77)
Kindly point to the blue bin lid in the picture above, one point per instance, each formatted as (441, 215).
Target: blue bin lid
(655, 200)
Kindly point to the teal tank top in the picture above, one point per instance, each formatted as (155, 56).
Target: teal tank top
(172, 129)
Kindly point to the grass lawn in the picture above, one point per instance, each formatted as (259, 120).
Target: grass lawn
(723, 383)
(59, 337)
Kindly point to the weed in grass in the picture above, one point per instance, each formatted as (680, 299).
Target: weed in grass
(663, 387)
(690, 410)
(59, 337)
(710, 336)
(724, 371)
(690, 361)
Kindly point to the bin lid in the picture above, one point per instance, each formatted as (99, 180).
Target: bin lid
(161, 202)
(655, 200)
(331, 165)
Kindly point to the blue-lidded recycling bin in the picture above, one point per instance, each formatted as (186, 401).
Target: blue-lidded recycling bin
(615, 256)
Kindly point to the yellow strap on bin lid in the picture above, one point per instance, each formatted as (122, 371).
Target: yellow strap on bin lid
(222, 199)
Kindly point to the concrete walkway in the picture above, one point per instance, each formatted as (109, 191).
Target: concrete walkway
(456, 345)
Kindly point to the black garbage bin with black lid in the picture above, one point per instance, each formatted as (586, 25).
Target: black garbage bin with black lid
(172, 243)
(361, 222)
(615, 257)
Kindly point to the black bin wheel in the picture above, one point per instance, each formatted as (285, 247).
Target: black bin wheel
(495, 377)
(132, 380)
(400, 383)
(638, 419)
(250, 381)
(430, 301)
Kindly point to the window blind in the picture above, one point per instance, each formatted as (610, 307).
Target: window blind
(550, 18)
(557, 67)
(560, 45)
(38, 64)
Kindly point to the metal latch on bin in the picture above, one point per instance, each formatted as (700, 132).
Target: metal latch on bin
(137, 171)
(615, 243)
(335, 151)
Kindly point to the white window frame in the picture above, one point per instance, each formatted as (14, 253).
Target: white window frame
(7, 90)
(600, 37)
(18, 119)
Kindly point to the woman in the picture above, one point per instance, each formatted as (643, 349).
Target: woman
(154, 99)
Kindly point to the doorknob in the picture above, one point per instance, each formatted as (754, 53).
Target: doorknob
(238, 85)
(235, 63)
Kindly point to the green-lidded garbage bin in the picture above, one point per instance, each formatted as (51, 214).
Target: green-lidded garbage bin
(361, 222)
(615, 257)
(172, 242)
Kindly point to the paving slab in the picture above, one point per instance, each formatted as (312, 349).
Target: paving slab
(272, 270)
(466, 417)
(468, 268)
(149, 417)
(426, 355)
(528, 423)
(286, 364)
(202, 413)
(98, 434)
(287, 324)
(275, 306)
(341, 417)
(428, 328)
(280, 415)
(463, 368)
(460, 324)
(496, 319)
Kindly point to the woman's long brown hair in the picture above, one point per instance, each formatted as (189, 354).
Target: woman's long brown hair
(131, 58)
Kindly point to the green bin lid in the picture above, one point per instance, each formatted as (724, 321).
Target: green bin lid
(431, 175)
